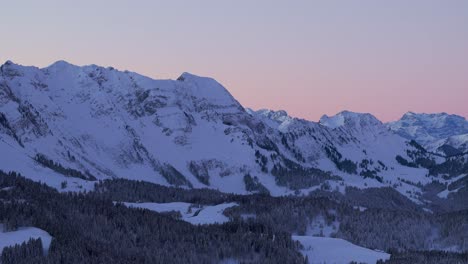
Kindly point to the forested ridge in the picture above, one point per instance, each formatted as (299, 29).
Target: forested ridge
(390, 221)
(94, 227)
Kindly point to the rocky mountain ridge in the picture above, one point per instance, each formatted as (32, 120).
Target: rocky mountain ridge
(66, 123)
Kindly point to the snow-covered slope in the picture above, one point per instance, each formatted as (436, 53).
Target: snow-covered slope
(454, 145)
(66, 123)
(437, 132)
(337, 251)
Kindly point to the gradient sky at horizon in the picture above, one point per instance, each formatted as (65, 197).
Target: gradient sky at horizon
(307, 57)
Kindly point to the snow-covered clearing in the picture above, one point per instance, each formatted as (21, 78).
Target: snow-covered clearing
(206, 214)
(337, 251)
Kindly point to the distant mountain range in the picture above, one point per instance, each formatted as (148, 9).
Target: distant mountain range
(442, 133)
(66, 123)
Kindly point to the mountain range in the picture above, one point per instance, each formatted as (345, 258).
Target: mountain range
(442, 133)
(69, 126)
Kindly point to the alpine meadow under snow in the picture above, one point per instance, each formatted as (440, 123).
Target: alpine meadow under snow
(185, 150)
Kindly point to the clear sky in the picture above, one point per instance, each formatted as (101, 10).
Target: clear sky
(307, 57)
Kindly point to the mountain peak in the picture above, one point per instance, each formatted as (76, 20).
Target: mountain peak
(11, 64)
(61, 65)
(265, 111)
(349, 119)
(408, 114)
(411, 114)
(12, 69)
(206, 87)
(432, 118)
(279, 115)
(186, 76)
(190, 77)
(8, 62)
(426, 128)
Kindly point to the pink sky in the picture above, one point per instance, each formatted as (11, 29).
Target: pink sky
(307, 57)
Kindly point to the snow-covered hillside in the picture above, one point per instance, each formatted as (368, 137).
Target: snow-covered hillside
(69, 126)
(453, 145)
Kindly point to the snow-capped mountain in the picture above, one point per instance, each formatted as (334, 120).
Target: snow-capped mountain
(442, 133)
(78, 124)
(351, 120)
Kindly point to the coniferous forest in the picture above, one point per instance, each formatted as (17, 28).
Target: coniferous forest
(94, 227)
(89, 228)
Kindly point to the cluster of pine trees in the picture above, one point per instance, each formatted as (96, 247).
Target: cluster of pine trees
(426, 257)
(55, 166)
(296, 177)
(26, 252)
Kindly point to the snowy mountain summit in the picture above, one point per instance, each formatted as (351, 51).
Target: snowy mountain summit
(349, 119)
(66, 123)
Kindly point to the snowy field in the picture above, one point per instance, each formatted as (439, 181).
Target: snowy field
(208, 214)
(336, 251)
(23, 234)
